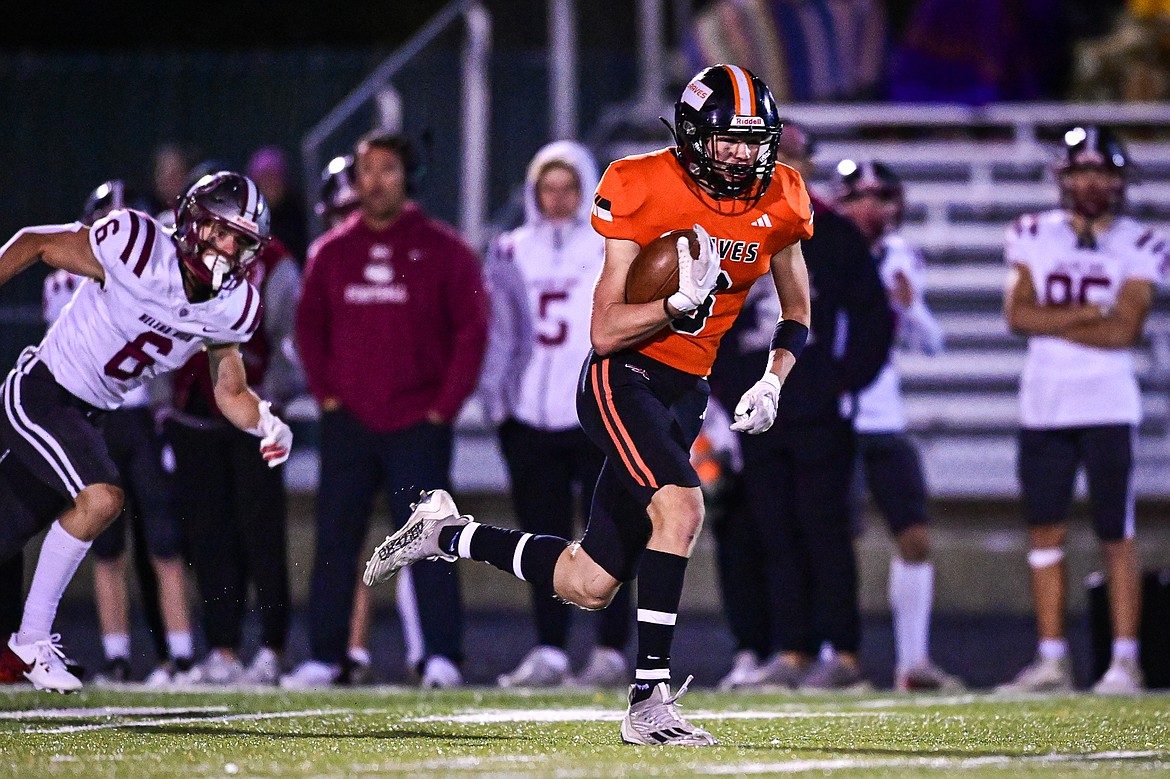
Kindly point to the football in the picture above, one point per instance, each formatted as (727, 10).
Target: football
(654, 272)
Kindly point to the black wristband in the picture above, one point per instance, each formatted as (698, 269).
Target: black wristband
(790, 335)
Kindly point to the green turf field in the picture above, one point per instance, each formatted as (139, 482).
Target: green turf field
(377, 732)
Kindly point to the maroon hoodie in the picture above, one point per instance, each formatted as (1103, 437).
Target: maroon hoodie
(392, 323)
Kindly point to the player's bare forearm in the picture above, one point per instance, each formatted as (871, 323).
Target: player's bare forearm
(1122, 327)
(61, 246)
(239, 404)
(614, 323)
(790, 274)
(1025, 315)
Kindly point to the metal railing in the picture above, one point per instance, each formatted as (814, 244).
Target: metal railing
(474, 109)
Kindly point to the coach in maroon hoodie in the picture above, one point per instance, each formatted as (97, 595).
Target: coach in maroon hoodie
(391, 328)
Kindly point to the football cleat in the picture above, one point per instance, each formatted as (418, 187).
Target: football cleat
(655, 721)
(117, 671)
(416, 540)
(439, 673)
(1124, 677)
(606, 667)
(543, 666)
(777, 671)
(12, 668)
(927, 677)
(744, 667)
(44, 664)
(1042, 675)
(834, 674)
(311, 675)
(264, 668)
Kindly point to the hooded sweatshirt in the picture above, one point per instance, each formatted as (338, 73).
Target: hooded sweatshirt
(541, 278)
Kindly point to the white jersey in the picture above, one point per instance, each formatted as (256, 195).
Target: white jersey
(110, 338)
(559, 265)
(879, 406)
(1065, 384)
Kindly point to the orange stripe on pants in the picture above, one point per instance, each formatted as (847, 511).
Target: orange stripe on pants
(625, 435)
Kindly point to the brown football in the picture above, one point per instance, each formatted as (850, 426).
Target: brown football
(654, 272)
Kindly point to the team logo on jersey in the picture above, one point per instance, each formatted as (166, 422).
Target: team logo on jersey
(737, 251)
(377, 273)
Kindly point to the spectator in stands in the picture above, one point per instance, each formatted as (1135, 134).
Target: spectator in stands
(233, 505)
(392, 329)
(1080, 287)
(541, 278)
(172, 170)
(268, 167)
(136, 450)
(797, 475)
(870, 195)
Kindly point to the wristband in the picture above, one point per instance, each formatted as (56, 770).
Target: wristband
(790, 335)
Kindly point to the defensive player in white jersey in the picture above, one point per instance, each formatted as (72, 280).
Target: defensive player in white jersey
(541, 278)
(871, 196)
(151, 299)
(1080, 286)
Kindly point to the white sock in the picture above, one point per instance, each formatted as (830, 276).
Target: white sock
(1053, 648)
(179, 643)
(1125, 649)
(61, 553)
(116, 645)
(911, 600)
(359, 654)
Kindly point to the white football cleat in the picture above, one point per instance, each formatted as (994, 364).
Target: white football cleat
(418, 539)
(1124, 677)
(927, 677)
(311, 675)
(1042, 675)
(264, 668)
(606, 668)
(655, 721)
(744, 667)
(543, 666)
(44, 664)
(439, 673)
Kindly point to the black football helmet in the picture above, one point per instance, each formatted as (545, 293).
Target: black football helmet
(1092, 148)
(228, 200)
(855, 179)
(338, 197)
(110, 196)
(727, 100)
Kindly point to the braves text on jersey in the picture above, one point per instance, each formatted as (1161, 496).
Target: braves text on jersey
(1066, 384)
(645, 196)
(139, 323)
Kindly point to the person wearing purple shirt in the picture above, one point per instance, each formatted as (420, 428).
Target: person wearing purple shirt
(391, 329)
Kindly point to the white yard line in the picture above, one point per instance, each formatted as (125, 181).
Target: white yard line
(108, 711)
(798, 766)
(254, 717)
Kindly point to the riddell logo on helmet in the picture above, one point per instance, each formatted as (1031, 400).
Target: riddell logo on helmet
(246, 224)
(747, 121)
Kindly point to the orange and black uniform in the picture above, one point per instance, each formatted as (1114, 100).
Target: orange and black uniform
(643, 406)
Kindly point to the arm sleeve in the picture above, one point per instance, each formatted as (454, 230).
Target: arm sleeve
(509, 346)
(312, 327)
(870, 321)
(283, 380)
(1150, 261)
(467, 312)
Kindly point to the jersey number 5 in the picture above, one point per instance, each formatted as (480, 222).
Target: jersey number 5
(132, 359)
(693, 323)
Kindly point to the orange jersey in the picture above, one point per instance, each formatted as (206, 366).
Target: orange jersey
(645, 196)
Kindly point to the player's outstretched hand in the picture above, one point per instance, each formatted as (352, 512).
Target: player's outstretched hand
(696, 275)
(756, 410)
(276, 436)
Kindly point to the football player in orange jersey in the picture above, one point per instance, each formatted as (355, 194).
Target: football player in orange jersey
(643, 390)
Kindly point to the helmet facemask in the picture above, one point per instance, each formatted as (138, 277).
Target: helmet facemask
(726, 103)
(221, 207)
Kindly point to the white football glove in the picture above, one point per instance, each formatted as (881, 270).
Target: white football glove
(696, 275)
(275, 436)
(756, 410)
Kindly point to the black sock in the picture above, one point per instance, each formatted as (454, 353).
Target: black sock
(660, 583)
(497, 546)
